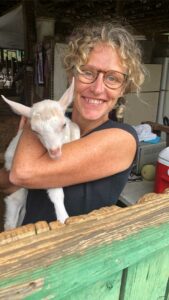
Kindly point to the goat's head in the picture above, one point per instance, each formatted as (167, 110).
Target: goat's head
(47, 119)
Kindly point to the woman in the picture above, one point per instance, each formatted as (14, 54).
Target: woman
(106, 63)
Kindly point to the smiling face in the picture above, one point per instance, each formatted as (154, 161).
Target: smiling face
(94, 101)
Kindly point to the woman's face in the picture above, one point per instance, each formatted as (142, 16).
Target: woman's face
(94, 101)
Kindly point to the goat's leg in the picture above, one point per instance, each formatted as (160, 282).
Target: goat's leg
(15, 209)
(22, 211)
(57, 197)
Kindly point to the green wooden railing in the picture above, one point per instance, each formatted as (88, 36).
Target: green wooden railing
(114, 253)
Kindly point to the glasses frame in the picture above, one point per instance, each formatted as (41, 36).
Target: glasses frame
(104, 73)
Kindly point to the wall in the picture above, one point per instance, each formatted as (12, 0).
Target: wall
(144, 107)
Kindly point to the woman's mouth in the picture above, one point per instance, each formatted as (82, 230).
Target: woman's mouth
(93, 101)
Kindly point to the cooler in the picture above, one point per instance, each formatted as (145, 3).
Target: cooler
(162, 171)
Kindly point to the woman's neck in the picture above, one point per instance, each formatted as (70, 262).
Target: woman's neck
(87, 125)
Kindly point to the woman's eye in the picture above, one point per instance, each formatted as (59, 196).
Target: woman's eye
(88, 73)
(111, 78)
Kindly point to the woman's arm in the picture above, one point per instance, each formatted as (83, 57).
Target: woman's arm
(100, 154)
(6, 186)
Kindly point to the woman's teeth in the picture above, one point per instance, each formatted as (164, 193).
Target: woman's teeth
(94, 101)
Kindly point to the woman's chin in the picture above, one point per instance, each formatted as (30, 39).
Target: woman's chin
(93, 116)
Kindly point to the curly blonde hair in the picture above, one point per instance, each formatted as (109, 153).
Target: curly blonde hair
(85, 38)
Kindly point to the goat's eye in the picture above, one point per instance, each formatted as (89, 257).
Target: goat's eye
(35, 132)
(64, 125)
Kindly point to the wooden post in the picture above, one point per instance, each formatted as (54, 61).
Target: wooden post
(29, 41)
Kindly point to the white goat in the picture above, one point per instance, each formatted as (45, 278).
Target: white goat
(53, 128)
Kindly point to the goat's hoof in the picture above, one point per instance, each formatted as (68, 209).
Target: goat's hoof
(63, 220)
(9, 227)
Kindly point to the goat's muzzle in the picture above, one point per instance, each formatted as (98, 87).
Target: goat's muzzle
(55, 153)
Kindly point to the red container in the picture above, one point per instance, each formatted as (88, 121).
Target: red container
(162, 171)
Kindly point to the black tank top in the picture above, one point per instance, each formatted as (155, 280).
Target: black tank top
(81, 198)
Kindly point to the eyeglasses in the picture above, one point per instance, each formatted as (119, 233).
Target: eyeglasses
(112, 79)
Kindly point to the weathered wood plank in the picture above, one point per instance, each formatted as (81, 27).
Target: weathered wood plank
(119, 226)
(67, 275)
(130, 216)
(148, 277)
(107, 289)
(20, 291)
(66, 261)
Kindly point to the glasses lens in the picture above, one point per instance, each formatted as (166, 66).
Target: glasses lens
(114, 79)
(87, 75)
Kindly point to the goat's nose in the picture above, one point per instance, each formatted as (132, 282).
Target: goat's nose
(55, 153)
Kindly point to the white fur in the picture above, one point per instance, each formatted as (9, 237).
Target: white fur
(47, 119)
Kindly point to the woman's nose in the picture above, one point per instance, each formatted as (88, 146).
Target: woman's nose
(98, 86)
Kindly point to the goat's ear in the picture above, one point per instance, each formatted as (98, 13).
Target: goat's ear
(67, 97)
(18, 108)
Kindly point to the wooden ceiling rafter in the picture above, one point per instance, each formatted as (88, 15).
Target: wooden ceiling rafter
(146, 16)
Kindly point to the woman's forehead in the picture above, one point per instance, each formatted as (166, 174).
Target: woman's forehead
(105, 57)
